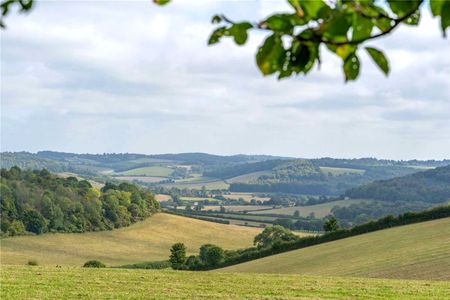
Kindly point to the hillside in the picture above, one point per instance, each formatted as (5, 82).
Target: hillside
(430, 186)
(75, 283)
(417, 251)
(148, 240)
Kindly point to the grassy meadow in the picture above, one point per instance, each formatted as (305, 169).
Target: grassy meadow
(149, 240)
(417, 251)
(149, 171)
(340, 171)
(22, 282)
(320, 210)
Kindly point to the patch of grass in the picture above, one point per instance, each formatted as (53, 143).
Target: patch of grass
(76, 283)
(32, 262)
(246, 196)
(416, 251)
(340, 171)
(149, 171)
(149, 240)
(320, 210)
(210, 184)
(147, 179)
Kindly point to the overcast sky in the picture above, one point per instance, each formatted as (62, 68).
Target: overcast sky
(110, 76)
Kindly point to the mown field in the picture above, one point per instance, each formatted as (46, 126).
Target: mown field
(210, 184)
(417, 251)
(320, 210)
(20, 282)
(246, 196)
(340, 171)
(149, 171)
(148, 240)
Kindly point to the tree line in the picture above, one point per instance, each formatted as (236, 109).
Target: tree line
(38, 202)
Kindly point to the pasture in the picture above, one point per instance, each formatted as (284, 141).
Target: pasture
(147, 179)
(320, 210)
(246, 196)
(149, 240)
(156, 171)
(22, 282)
(417, 251)
(341, 171)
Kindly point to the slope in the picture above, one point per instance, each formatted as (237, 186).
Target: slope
(417, 251)
(143, 241)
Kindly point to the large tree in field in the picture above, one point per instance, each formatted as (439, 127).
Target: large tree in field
(293, 44)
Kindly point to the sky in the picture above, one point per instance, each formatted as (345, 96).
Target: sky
(129, 76)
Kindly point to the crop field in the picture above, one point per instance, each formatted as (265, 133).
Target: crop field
(340, 171)
(21, 282)
(162, 197)
(417, 251)
(210, 184)
(236, 208)
(149, 171)
(149, 240)
(320, 210)
(246, 196)
(194, 199)
(149, 179)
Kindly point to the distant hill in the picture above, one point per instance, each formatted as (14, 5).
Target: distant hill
(417, 251)
(431, 186)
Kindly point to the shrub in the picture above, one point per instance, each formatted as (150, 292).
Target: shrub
(94, 264)
(32, 262)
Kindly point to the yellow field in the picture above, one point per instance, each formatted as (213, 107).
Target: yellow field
(144, 241)
(417, 251)
(246, 196)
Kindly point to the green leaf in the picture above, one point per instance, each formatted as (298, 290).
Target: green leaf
(413, 19)
(271, 55)
(337, 28)
(300, 56)
(362, 27)
(239, 32)
(351, 67)
(379, 58)
(216, 35)
(445, 16)
(402, 7)
(343, 51)
(312, 8)
(436, 6)
(161, 2)
(280, 22)
(383, 24)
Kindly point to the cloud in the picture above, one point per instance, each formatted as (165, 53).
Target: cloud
(106, 76)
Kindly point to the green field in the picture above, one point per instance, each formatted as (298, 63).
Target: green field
(147, 179)
(249, 177)
(340, 171)
(148, 171)
(246, 196)
(320, 210)
(417, 251)
(21, 282)
(195, 199)
(210, 184)
(148, 240)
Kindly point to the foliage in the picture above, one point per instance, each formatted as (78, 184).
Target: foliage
(331, 224)
(177, 256)
(163, 264)
(39, 202)
(272, 235)
(211, 255)
(32, 262)
(94, 264)
(430, 186)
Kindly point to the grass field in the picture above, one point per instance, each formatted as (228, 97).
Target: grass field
(162, 197)
(149, 171)
(249, 177)
(76, 283)
(320, 210)
(149, 179)
(210, 184)
(340, 171)
(417, 251)
(236, 208)
(144, 241)
(246, 196)
(194, 199)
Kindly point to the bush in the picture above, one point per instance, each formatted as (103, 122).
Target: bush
(32, 262)
(94, 264)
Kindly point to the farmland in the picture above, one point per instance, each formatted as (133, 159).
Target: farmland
(149, 171)
(320, 210)
(144, 241)
(21, 282)
(417, 251)
(340, 171)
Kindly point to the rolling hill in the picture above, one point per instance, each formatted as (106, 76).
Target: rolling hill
(148, 240)
(417, 251)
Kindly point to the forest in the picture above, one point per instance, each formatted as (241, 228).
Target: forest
(38, 202)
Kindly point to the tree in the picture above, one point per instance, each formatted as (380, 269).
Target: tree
(177, 256)
(295, 38)
(34, 221)
(211, 255)
(331, 224)
(296, 214)
(273, 234)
